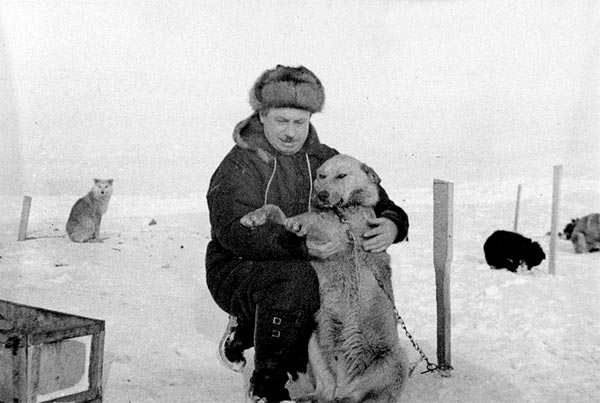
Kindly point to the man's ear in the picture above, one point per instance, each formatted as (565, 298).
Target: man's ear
(373, 177)
(262, 115)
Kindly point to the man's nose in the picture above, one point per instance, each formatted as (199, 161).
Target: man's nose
(289, 132)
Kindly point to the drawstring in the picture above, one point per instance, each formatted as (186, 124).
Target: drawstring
(309, 180)
(271, 179)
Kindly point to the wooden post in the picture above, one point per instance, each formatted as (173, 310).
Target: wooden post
(558, 170)
(24, 218)
(517, 208)
(443, 221)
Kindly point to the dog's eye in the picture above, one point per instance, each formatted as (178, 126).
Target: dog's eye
(322, 176)
(341, 176)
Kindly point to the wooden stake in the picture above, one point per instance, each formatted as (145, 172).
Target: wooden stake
(558, 171)
(517, 208)
(24, 218)
(443, 221)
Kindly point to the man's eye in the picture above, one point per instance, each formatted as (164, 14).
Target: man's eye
(341, 176)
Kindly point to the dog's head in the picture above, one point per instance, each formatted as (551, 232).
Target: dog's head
(344, 181)
(568, 231)
(534, 255)
(102, 187)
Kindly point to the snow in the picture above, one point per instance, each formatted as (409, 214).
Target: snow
(485, 94)
(516, 337)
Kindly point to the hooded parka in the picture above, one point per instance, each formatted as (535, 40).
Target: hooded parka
(246, 266)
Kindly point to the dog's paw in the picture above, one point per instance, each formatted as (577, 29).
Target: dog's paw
(96, 240)
(294, 225)
(254, 219)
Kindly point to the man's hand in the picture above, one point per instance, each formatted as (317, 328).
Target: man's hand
(381, 236)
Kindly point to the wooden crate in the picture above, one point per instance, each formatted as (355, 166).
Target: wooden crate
(49, 356)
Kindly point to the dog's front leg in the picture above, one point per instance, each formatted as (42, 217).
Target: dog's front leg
(301, 224)
(297, 224)
(258, 217)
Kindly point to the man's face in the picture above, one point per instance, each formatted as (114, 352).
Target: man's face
(286, 129)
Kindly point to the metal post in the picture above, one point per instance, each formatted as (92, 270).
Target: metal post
(558, 171)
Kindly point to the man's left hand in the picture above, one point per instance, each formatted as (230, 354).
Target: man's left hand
(381, 236)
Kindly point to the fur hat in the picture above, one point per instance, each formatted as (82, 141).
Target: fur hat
(288, 87)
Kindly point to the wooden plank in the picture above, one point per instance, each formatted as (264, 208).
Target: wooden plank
(22, 372)
(24, 218)
(443, 222)
(517, 208)
(558, 172)
(97, 363)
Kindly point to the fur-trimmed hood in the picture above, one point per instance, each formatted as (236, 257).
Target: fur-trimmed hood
(249, 134)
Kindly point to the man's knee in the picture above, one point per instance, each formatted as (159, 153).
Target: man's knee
(296, 288)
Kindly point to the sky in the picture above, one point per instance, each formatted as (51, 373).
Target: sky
(147, 93)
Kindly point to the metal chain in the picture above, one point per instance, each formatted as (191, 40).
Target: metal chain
(430, 366)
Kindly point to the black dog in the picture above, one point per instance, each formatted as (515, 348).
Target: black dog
(508, 250)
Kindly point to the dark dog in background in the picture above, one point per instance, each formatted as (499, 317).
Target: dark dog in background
(509, 250)
(584, 233)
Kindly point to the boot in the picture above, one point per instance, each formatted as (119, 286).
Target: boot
(267, 384)
(276, 337)
(236, 339)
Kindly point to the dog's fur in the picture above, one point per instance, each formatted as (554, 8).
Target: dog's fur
(355, 353)
(568, 230)
(584, 233)
(85, 218)
(509, 250)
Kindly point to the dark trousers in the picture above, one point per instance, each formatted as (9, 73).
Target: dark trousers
(275, 302)
(289, 286)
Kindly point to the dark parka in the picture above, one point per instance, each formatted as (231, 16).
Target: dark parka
(252, 174)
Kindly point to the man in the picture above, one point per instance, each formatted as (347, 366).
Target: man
(262, 277)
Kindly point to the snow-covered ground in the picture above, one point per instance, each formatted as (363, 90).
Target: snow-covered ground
(487, 94)
(525, 337)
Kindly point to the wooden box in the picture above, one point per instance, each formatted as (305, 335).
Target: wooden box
(48, 356)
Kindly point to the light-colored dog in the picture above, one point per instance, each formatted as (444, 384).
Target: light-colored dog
(85, 218)
(584, 233)
(355, 354)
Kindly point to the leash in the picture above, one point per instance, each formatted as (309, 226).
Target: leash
(431, 367)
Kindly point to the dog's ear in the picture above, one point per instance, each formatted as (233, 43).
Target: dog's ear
(373, 177)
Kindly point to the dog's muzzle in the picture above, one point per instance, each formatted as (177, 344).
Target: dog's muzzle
(323, 197)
